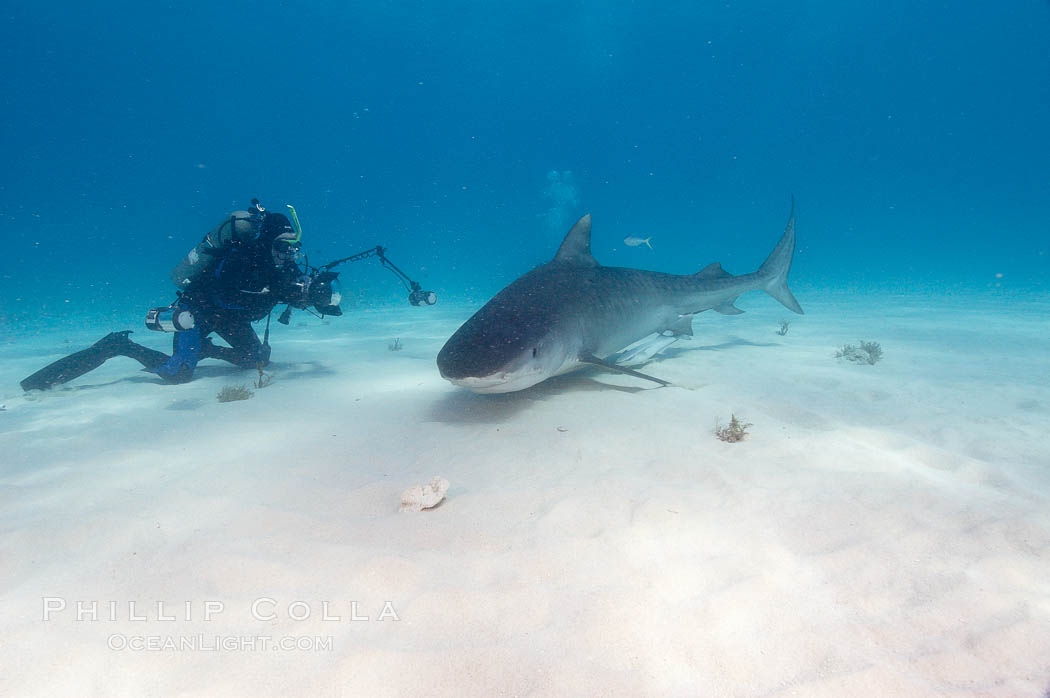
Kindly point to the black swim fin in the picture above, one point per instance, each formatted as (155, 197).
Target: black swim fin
(76, 365)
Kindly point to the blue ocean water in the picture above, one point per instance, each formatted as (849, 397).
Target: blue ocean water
(913, 136)
(883, 530)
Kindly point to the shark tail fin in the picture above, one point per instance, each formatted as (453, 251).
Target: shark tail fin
(774, 270)
(647, 243)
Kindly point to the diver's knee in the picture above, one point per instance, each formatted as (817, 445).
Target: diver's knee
(259, 358)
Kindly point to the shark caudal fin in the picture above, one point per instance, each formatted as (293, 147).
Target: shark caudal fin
(774, 271)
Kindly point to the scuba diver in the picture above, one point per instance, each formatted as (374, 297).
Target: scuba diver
(235, 276)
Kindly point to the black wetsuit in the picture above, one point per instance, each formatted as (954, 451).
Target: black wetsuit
(241, 286)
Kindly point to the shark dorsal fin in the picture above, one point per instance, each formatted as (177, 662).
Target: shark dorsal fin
(576, 247)
(713, 270)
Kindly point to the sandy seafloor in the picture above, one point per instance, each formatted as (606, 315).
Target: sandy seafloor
(884, 530)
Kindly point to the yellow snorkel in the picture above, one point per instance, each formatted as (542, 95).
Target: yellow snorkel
(295, 223)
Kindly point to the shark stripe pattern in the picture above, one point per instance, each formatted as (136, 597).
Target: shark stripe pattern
(572, 312)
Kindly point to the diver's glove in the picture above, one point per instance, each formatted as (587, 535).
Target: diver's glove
(297, 294)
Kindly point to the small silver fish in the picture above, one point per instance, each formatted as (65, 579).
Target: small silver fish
(632, 241)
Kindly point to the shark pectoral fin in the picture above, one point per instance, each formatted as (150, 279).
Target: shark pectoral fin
(728, 308)
(595, 361)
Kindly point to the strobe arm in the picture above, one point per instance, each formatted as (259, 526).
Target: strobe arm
(416, 294)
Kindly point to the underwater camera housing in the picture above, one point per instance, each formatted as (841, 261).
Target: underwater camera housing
(325, 294)
(420, 297)
(169, 319)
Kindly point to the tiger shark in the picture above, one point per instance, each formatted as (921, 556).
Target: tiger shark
(573, 312)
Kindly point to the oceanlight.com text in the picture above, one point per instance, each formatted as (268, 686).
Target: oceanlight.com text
(218, 643)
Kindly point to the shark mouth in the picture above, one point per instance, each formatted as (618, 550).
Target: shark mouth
(502, 382)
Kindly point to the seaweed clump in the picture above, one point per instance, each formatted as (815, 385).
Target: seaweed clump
(395, 345)
(866, 353)
(233, 393)
(733, 432)
(784, 324)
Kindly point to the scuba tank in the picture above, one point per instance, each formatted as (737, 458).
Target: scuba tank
(239, 227)
(170, 319)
